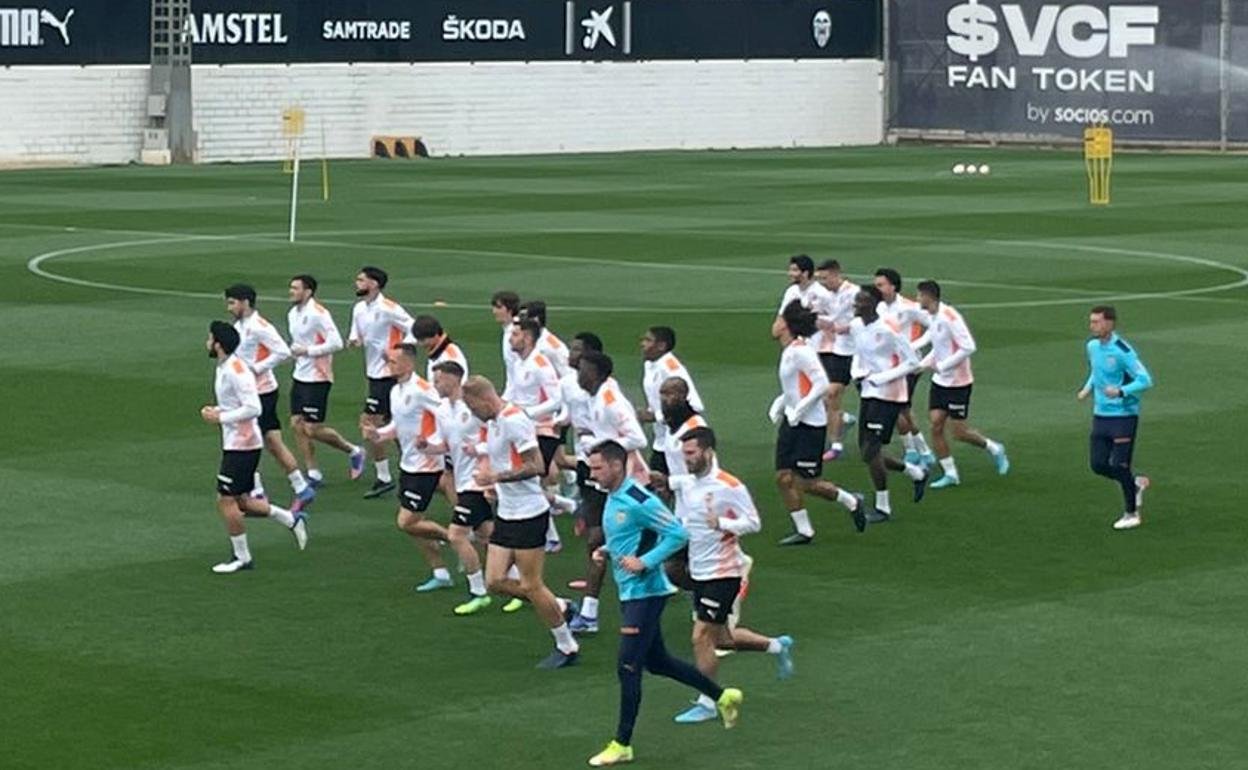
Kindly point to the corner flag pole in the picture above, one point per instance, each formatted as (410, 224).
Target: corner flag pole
(294, 194)
(324, 165)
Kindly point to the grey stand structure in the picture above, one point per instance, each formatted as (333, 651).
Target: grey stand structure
(170, 135)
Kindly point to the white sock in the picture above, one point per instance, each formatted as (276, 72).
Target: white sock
(476, 583)
(916, 472)
(993, 447)
(801, 522)
(355, 449)
(383, 471)
(297, 481)
(846, 499)
(773, 647)
(513, 572)
(920, 444)
(881, 502)
(552, 532)
(241, 551)
(281, 516)
(950, 466)
(314, 474)
(848, 418)
(838, 446)
(907, 439)
(442, 573)
(563, 505)
(706, 701)
(564, 639)
(257, 485)
(589, 607)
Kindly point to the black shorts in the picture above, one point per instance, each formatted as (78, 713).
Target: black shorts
(416, 490)
(237, 476)
(310, 400)
(837, 367)
(548, 445)
(912, 382)
(800, 449)
(522, 534)
(877, 419)
(956, 402)
(593, 499)
(658, 462)
(268, 412)
(712, 599)
(378, 400)
(472, 510)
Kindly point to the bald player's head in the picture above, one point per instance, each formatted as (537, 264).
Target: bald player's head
(482, 400)
(676, 386)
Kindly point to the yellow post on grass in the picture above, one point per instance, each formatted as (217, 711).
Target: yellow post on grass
(1098, 158)
(293, 119)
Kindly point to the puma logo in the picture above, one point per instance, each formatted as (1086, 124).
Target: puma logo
(60, 25)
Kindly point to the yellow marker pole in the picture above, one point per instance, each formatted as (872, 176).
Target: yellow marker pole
(1098, 159)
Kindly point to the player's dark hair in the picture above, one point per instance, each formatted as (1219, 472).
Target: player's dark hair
(874, 292)
(830, 264)
(704, 436)
(449, 367)
(930, 288)
(224, 335)
(601, 362)
(531, 327)
(590, 341)
(507, 299)
(377, 274)
(801, 322)
(665, 336)
(535, 309)
(1107, 312)
(308, 282)
(890, 275)
(611, 451)
(426, 326)
(241, 291)
(804, 263)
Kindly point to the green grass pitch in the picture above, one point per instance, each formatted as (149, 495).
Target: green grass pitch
(1002, 624)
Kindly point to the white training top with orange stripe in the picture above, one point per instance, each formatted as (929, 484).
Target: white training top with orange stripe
(239, 402)
(508, 436)
(379, 325)
(672, 450)
(886, 357)
(840, 312)
(413, 407)
(910, 316)
(614, 419)
(536, 390)
(800, 372)
(312, 326)
(952, 346)
(655, 373)
(715, 553)
(555, 351)
(461, 430)
(261, 348)
(446, 350)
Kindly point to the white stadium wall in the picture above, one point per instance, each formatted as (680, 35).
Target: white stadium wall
(96, 114)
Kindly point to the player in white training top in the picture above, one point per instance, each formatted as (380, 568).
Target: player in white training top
(836, 349)
(660, 364)
(314, 339)
(521, 515)
(802, 287)
(717, 509)
(504, 307)
(800, 413)
(237, 411)
(950, 394)
(913, 321)
(262, 349)
(378, 323)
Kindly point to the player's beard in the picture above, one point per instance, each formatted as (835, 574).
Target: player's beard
(361, 292)
(677, 415)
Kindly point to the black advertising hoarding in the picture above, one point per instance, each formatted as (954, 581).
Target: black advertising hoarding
(1149, 70)
(68, 32)
(305, 31)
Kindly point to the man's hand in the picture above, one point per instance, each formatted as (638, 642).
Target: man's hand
(1083, 394)
(1113, 392)
(599, 555)
(355, 343)
(791, 415)
(633, 564)
(776, 411)
(210, 414)
(370, 432)
(645, 415)
(422, 442)
(485, 478)
(298, 350)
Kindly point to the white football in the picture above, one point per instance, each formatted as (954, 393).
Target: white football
(971, 168)
(985, 169)
(959, 169)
